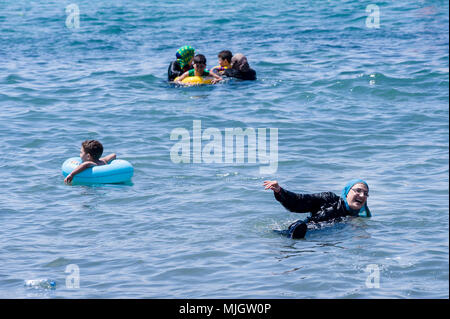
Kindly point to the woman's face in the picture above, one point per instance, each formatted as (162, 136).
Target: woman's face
(357, 196)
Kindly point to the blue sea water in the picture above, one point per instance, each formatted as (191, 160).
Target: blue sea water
(349, 100)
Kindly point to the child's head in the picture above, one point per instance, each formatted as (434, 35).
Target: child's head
(224, 58)
(91, 150)
(199, 62)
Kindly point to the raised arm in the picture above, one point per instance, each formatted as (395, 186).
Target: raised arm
(300, 203)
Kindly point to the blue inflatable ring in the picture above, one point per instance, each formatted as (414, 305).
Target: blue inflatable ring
(118, 171)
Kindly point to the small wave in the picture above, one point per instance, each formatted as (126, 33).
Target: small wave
(221, 21)
(14, 79)
(147, 78)
(115, 29)
(60, 261)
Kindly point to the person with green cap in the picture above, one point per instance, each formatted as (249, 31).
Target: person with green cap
(324, 207)
(182, 64)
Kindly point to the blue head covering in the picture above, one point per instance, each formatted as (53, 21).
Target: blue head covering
(365, 209)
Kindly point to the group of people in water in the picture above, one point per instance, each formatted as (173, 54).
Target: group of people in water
(190, 64)
(324, 207)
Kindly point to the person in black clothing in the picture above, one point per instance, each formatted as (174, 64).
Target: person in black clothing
(240, 68)
(183, 63)
(325, 206)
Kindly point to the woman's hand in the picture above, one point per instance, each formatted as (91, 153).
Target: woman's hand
(273, 185)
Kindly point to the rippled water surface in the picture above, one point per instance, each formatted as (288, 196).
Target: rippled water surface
(348, 101)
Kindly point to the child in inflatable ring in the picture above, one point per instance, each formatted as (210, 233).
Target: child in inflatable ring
(90, 153)
(224, 59)
(199, 70)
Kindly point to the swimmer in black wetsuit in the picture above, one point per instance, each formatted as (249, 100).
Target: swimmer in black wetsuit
(240, 68)
(323, 206)
(183, 63)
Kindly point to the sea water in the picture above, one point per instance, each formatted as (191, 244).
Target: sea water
(353, 90)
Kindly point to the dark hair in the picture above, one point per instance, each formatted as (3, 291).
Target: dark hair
(225, 55)
(199, 59)
(93, 148)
